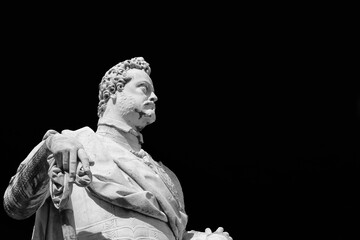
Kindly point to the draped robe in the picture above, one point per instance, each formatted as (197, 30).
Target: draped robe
(124, 186)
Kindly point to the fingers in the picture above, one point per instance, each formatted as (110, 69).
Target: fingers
(59, 159)
(72, 161)
(208, 231)
(220, 230)
(67, 153)
(83, 157)
(65, 160)
(68, 160)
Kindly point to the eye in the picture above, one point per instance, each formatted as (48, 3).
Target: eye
(144, 88)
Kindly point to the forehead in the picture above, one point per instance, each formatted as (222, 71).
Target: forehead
(138, 75)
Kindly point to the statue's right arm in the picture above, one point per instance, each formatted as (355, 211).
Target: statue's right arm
(29, 187)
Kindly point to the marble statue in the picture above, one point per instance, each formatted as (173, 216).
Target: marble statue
(102, 185)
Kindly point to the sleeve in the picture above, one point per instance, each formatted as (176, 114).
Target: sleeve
(29, 187)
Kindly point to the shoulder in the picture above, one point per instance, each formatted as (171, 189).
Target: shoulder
(78, 132)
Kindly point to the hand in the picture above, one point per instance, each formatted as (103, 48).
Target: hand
(219, 234)
(67, 152)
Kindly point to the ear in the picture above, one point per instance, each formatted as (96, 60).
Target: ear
(113, 97)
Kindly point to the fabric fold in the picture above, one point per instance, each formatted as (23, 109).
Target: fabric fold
(60, 185)
(122, 179)
(60, 191)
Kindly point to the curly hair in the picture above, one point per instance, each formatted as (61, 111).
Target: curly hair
(115, 79)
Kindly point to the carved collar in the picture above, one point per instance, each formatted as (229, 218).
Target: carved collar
(117, 130)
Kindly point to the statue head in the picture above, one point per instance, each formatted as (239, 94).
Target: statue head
(126, 93)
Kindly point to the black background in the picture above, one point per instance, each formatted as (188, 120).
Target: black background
(256, 114)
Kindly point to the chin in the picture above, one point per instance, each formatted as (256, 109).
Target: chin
(144, 121)
(148, 116)
(144, 118)
(149, 119)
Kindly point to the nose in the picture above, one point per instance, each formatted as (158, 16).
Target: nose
(153, 97)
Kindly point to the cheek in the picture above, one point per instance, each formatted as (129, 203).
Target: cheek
(140, 100)
(125, 104)
(132, 102)
(134, 91)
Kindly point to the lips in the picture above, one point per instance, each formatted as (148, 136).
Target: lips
(149, 105)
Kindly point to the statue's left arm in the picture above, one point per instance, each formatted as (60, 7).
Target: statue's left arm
(28, 188)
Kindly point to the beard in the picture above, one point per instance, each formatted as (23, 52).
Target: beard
(137, 115)
(128, 104)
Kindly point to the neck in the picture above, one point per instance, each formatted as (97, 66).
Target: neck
(120, 132)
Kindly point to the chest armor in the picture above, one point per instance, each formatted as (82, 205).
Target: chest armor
(96, 219)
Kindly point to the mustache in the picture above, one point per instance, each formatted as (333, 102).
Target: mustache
(142, 112)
